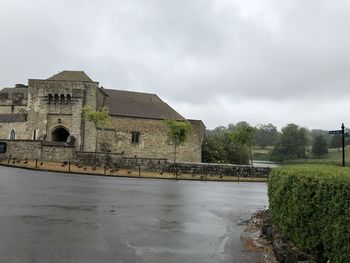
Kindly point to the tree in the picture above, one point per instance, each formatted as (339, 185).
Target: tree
(214, 150)
(336, 141)
(228, 145)
(291, 144)
(236, 149)
(99, 118)
(266, 135)
(319, 146)
(245, 135)
(316, 132)
(178, 133)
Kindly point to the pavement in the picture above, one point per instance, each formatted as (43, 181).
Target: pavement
(58, 217)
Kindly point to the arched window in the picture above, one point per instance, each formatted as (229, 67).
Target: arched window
(50, 98)
(62, 98)
(13, 135)
(22, 111)
(56, 98)
(69, 99)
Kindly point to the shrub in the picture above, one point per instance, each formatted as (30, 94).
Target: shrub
(311, 207)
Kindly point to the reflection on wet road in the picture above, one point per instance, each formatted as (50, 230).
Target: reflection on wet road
(51, 217)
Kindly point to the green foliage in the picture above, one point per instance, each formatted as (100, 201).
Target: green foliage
(319, 146)
(311, 206)
(266, 135)
(178, 131)
(228, 145)
(291, 144)
(99, 118)
(336, 141)
(317, 132)
(245, 135)
(214, 149)
(236, 147)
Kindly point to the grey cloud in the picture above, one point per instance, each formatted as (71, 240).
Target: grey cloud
(189, 52)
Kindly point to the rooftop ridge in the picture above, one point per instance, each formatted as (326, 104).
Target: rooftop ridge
(71, 75)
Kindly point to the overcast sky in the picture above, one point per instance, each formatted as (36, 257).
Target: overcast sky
(221, 61)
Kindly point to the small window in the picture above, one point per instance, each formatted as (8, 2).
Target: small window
(69, 99)
(2, 147)
(56, 98)
(62, 98)
(50, 98)
(135, 137)
(34, 135)
(13, 135)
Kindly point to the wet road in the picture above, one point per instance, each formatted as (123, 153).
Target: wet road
(49, 217)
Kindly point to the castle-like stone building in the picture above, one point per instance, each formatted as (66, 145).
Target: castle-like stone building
(50, 110)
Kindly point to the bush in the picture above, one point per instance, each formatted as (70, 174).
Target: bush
(311, 207)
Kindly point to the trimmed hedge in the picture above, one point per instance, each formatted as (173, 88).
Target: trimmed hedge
(310, 205)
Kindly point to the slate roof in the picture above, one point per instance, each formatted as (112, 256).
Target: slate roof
(138, 105)
(13, 90)
(69, 75)
(13, 117)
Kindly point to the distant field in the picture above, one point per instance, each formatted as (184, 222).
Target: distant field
(333, 157)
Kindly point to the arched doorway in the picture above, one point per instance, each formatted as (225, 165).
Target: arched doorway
(60, 134)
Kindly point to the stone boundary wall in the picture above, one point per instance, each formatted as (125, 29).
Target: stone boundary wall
(102, 159)
(162, 165)
(151, 164)
(33, 149)
(219, 169)
(117, 160)
(30, 149)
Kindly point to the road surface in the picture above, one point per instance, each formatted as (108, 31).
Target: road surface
(56, 217)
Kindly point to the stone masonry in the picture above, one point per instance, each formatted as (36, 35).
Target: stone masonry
(50, 110)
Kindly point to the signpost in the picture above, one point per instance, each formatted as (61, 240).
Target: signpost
(343, 135)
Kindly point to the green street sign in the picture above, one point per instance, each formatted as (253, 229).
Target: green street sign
(335, 132)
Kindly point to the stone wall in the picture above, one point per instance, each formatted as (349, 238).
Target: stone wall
(66, 113)
(162, 165)
(219, 169)
(30, 149)
(8, 109)
(102, 159)
(153, 139)
(45, 114)
(20, 128)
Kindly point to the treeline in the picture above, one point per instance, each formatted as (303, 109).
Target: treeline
(234, 143)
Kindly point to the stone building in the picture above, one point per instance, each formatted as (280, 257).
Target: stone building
(50, 110)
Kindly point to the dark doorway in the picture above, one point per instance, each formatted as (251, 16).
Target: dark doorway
(59, 135)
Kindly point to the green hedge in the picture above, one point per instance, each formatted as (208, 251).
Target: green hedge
(310, 204)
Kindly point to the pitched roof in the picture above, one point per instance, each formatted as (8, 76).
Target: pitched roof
(13, 117)
(68, 75)
(139, 105)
